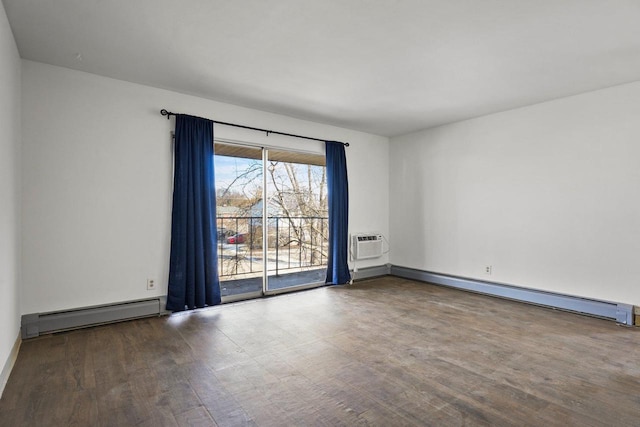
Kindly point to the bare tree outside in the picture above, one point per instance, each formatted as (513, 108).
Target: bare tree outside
(299, 192)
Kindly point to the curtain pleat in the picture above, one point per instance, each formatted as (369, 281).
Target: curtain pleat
(338, 195)
(193, 267)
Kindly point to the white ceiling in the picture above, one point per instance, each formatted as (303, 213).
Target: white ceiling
(386, 67)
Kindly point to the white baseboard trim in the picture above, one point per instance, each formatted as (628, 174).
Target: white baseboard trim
(621, 313)
(8, 365)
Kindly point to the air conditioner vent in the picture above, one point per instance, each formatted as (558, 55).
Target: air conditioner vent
(364, 246)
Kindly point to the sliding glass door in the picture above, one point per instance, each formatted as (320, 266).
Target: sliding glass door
(274, 240)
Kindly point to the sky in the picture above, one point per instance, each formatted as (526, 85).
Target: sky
(226, 169)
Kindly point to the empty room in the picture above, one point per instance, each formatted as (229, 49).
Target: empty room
(319, 213)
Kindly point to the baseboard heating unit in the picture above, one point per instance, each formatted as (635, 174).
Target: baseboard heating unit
(370, 272)
(33, 325)
(620, 312)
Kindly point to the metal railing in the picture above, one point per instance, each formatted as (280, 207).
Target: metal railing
(293, 243)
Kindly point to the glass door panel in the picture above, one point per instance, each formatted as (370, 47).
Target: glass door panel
(239, 189)
(297, 223)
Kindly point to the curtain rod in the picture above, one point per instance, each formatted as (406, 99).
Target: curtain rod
(169, 113)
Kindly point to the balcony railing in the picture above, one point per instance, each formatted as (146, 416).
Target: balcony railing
(293, 244)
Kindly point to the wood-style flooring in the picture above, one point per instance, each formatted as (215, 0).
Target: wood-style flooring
(383, 352)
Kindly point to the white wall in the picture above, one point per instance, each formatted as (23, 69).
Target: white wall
(547, 195)
(9, 194)
(97, 182)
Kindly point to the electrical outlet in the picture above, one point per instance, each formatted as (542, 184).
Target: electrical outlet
(151, 284)
(487, 270)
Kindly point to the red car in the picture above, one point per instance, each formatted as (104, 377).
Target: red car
(235, 239)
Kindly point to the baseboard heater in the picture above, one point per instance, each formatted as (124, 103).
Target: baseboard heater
(370, 272)
(33, 325)
(621, 313)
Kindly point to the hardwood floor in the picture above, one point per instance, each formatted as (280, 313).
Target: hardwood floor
(385, 352)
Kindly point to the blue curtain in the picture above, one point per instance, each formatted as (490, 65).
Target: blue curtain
(193, 269)
(338, 192)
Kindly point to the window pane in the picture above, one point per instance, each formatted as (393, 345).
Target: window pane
(297, 222)
(239, 221)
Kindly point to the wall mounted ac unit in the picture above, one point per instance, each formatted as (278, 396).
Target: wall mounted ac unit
(364, 246)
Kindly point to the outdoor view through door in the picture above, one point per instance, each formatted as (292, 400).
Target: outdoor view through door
(290, 216)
